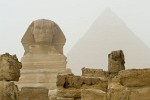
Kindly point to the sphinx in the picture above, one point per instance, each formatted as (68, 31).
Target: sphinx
(43, 58)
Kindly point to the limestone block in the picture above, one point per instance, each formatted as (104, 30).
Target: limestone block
(9, 67)
(95, 83)
(74, 81)
(33, 93)
(77, 99)
(52, 94)
(114, 83)
(135, 77)
(64, 98)
(93, 94)
(69, 81)
(61, 79)
(90, 72)
(136, 93)
(142, 93)
(116, 61)
(119, 94)
(69, 93)
(8, 91)
(53, 98)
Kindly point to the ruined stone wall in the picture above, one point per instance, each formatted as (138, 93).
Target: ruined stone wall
(71, 87)
(131, 84)
(114, 84)
(93, 84)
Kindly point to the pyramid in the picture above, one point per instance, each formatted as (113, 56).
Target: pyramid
(108, 33)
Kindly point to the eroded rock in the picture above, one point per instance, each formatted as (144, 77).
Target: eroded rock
(9, 67)
(8, 91)
(116, 61)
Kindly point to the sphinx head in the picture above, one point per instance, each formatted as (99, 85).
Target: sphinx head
(42, 32)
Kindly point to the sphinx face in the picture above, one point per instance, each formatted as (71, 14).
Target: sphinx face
(42, 32)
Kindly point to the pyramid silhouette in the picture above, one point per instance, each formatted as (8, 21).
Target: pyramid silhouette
(108, 33)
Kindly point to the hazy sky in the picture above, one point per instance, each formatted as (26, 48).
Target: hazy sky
(73, 16)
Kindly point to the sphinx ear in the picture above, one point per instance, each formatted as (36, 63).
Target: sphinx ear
(28, 38)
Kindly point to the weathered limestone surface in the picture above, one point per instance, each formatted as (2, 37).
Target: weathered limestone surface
(69, 93)
(43, 36)
(135, 77)
(132, 84)
(116, 61)
(72, 81)
(93, 94)
(94, 83)
(118, 94)
(43, 58)
(93, 72)
(9, 67)
(33, 93)
(8, 91)
(9, 71)
(129, 93)
(140, 93)
(64, 98)
(70, 86)
(41, 74)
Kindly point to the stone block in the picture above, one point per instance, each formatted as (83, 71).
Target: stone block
(61, 79)
(116, 61)
(69, 93)
(90, 72)
(93, 94)
(64, 98)
(69, 81)
(140, 94)
(74, 81)
(95, 83)
(118, 94)
(135, 77)
(33, 93)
